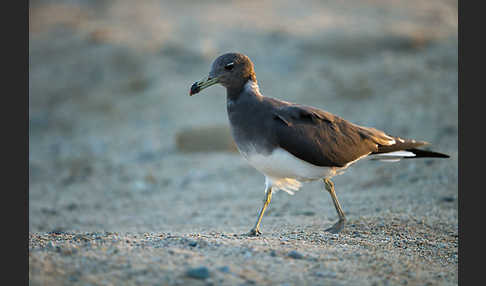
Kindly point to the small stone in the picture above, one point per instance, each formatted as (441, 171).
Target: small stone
(198, 272)
(224, 269)
(356, 234)
(189, 242)
(448, 199)
(325, 274)
(295, 254)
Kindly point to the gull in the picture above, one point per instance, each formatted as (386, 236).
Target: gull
(291, 143)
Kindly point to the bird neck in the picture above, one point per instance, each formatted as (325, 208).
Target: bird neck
(249, 89)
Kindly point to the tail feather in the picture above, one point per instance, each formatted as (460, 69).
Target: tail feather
(399, 145)
(406, 149)
(419, 153)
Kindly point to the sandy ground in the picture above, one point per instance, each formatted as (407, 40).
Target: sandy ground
(128, 188)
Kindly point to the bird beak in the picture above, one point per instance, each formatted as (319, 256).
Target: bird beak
(202, 84)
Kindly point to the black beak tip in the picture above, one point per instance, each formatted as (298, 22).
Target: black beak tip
(194, 89)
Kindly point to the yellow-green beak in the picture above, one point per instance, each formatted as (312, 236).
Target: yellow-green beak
(202, 84)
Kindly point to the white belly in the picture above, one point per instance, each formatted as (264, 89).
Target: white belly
(282, 164)
(284, 171)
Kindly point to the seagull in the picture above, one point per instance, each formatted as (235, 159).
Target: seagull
(291, 143)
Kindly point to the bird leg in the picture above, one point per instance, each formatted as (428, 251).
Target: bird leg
(256, 229)
(339, 225)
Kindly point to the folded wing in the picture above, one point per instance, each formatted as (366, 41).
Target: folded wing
(324, 139)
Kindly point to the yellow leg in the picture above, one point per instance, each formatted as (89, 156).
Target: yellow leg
(339, 225)
(268, 196)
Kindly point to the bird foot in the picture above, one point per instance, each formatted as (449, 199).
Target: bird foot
(254, 232)
(337, 227)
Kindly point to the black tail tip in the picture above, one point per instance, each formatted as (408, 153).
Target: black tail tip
(427, 154)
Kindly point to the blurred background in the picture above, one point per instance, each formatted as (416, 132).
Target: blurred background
(116, 143)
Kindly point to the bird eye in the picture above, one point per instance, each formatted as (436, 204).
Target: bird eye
(229, 66)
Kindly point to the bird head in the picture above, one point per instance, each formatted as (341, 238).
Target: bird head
(231, 70)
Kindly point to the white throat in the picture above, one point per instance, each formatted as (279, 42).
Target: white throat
(252, 86)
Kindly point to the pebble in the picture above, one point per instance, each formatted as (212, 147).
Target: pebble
(198, 272)
(356, 234)
(448, 199)
(325, 274)
(224, 269)
(295, 254)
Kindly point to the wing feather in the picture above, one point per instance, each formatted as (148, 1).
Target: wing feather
(323, 139)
